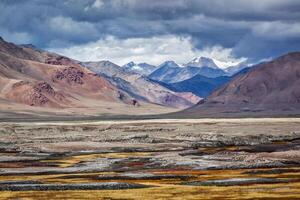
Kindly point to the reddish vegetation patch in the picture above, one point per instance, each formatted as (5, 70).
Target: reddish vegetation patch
(70, 74)
(43, 87)
(60, 60)
(36, 94)
(86, 84)
(33, 92)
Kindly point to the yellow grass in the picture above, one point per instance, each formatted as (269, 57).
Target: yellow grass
(164, 189)
(72, 160)
(176, 192)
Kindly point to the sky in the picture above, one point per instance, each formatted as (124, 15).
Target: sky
(121, 31)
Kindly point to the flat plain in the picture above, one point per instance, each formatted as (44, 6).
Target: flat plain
(145, 159)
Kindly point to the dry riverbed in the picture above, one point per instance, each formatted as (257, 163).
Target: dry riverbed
(151, 159)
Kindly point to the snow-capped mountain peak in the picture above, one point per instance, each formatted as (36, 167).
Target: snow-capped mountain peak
(236, 68)
(202, 62)
(133, 66)
(201, 59)
(141, 68)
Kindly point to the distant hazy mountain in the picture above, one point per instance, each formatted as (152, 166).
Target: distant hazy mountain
(206, 67)
(235, 69)
(140, 86)
(166, 72)
(170, 72)
(268, 88)
(140, 68)
(105, 67)
(202, 62)
(199, 85)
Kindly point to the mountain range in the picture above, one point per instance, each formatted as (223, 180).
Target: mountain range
(34, 78)
(140, 86)
(36, 81)
(199, 85)
(140, 68)
(270, 88)
(171, 72)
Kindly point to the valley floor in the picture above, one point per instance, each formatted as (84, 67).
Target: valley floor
(94, 110)
(151, 159)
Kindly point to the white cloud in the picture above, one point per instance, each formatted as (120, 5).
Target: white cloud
(222, 56)
(153, 50)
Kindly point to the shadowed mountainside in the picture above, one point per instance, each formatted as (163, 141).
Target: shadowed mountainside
(170, 72)
(268, 88)
(141, 87)
(199, 85)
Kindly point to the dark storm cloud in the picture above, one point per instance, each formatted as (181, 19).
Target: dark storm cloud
(254, 29)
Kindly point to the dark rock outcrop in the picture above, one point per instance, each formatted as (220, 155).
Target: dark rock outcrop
(36, 94)
(70, 74)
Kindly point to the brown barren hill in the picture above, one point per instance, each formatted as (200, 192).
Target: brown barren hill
(36, 94)
(39, 82)
(270, 88)
(82, 82)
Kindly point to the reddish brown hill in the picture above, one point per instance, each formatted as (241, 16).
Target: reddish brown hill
(38, 78)
(36, 94)
(272, 88)
(82, 82)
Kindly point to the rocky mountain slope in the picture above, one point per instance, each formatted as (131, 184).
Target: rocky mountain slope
(170, 72)
(140, 68)
(35, 80)
(268, 88)
(232, 70)
(199, 85)
(26, 70)
(205, 67)
(140, 86)
(166, 72)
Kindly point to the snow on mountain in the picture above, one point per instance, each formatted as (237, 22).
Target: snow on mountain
(202, 62)
(229, 67)
(269, 88)
(140, 87)
(236, 68)
(166, 72)
(141, 68)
